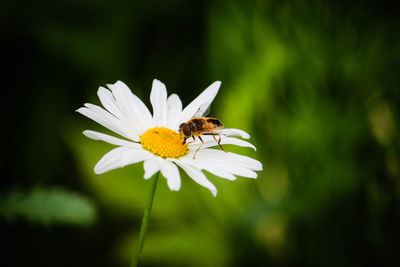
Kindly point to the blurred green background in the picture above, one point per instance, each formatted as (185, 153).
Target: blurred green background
(314, 82)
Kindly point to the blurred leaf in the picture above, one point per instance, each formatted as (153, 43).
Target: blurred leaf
(48, 206)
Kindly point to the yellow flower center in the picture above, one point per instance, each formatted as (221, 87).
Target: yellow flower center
(163, 142)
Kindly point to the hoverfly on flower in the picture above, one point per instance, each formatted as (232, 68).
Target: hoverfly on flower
(201, 125)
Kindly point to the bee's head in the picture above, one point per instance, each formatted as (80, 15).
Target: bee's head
(184, 130)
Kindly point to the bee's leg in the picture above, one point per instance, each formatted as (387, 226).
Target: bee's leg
(194, 139)
(219, 142)
(202, 143)
(184, 141)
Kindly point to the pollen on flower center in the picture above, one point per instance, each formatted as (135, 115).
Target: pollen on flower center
(163, 142)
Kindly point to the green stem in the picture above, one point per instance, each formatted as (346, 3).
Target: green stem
(145, 223)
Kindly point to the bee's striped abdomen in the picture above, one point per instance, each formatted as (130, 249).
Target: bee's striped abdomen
(216, 123)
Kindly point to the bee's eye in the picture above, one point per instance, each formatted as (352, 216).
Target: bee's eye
(185, 129)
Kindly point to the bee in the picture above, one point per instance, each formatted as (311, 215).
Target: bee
(198, 125)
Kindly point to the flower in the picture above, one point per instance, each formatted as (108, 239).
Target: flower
(155, 139)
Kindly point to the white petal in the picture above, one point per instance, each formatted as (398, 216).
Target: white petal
(209, 141)
(151, 166)
(234, 132)
(213, 167)
(104, 118)
(171, 173)
(210, 165)
(197, 176)
(158, 99)
(109, 102)
(174, 109)
(207, 96)
(132, 105)
(120, 157)
(110, 139)
(218, 172)
(212, 159)
(230, 157)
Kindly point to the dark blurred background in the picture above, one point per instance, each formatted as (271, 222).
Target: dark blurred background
(314, 82)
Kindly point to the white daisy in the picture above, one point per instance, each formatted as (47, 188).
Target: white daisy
(155, 139)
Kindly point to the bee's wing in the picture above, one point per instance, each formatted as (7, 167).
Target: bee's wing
(203, 110)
